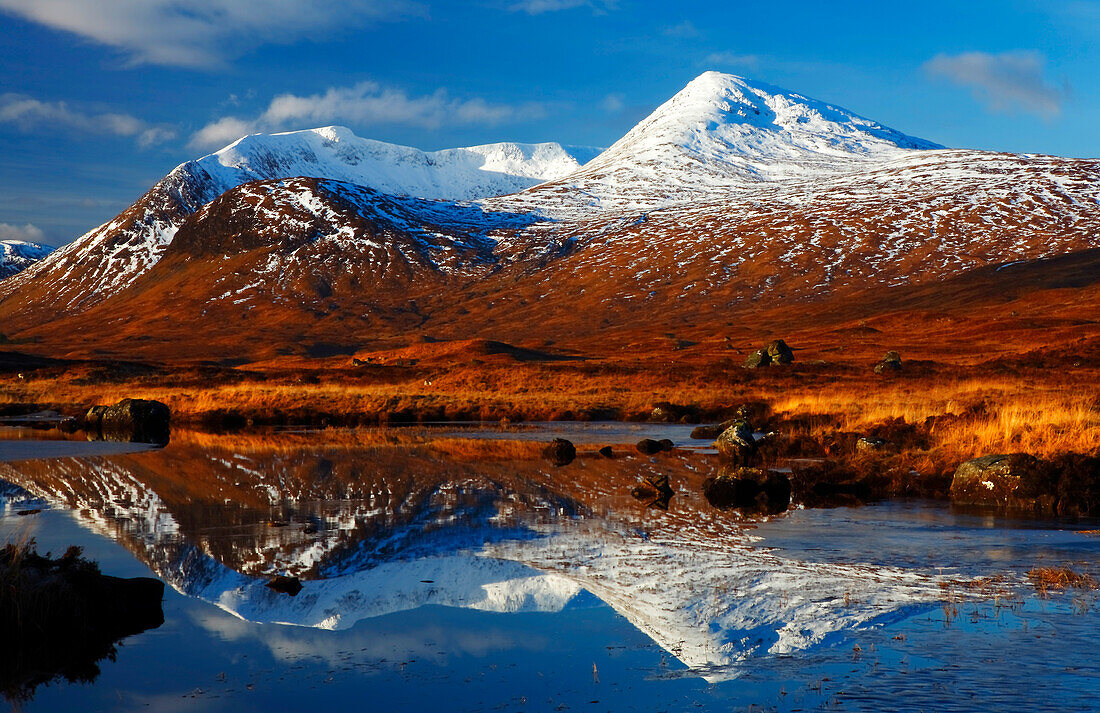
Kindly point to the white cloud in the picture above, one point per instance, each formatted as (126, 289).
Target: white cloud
(730, 58)
(1004, 82)
(364, 104)
(222, 132)
(684, 29)
(30, 114)
(27, 233)
(203, 34)
(613, 103)
(537, 7)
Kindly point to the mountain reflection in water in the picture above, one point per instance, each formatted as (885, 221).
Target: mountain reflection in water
(375, 524)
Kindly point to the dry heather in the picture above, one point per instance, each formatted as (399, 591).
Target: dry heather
(940, 413)
(978, 415)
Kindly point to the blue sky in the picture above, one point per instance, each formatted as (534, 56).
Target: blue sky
(101, 98)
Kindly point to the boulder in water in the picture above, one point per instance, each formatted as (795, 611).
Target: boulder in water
(137, 420)
(749, 490)
(737, 443)
(649, 447)
(560, 452)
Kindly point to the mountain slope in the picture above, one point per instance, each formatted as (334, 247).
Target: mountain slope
(733, 198)
(107, 259)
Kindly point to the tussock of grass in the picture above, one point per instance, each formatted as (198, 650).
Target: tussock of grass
(1047, 579)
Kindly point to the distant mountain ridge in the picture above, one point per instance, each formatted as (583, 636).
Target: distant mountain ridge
(18, 255)
(732, 195)
(109, 258)
(335, 153)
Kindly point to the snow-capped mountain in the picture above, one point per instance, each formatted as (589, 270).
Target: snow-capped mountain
(335, 153)
(18, 255)
(107, 259)
(721, 132)
(733, 192)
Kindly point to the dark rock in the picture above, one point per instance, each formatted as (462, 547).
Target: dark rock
(829, 484)
(665, 413)
(891, 361)
(737, 443)
(559, 452)
(666, 444)
(606, 452)
(137, 420)
(758, 359)
(868, 444)
(649, 446)
(285, 585)
(655, 491)
(779, 352)
(704, 433)
(1015, 481)
(93, 420)
(749, 490)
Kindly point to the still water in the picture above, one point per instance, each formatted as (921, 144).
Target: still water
(440, 575)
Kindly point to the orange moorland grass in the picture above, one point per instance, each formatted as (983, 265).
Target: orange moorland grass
(1044, 412)
(359, 439)
(1043, 420)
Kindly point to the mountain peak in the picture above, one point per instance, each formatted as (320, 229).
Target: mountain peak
(744, 128)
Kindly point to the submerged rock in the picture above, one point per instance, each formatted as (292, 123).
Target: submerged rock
(285, 585)
(749, 490)
(826, 483)
(655, 491)
(560, 452)
(137, 420)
